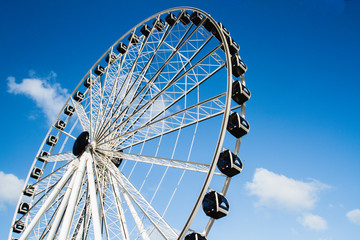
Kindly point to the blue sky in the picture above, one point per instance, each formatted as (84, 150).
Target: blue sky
(302, 155)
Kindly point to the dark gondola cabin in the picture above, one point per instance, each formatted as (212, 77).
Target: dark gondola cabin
(134, 39)
(194, 236)
(229, 164)
(121, 48)
(69, 110)
(196, 18)
(145, 30)
(223, 30)
(60, 124)
(171, 19)
(233, 46)
(185, 18)
(51, 140)
(99, 70)
(208, 25)
(43, 156)
(238, 66)
(23, 208)
(29, 190)
(159, 24)
(78, 96)
(215, 205)
(237, 125)
(110, 58)
(87, 82)
(19, 226)
(36, 173)
(240, 93)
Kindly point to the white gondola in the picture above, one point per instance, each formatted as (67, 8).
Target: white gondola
(171, 19)
(121, 48)
(78, 96)
(237, 125)
(99, 70)
(87, 82)
(51, 140)
(134, 39)
(145, 30)
(215, 205)
(29, 190)
(159, 24)
(240, 93)
(185, 18)
(69, 110)
(43, 156)
(60, 124)
(110, 58)
(19, 226)
(196, 18)
(23, 208)
(36, 173)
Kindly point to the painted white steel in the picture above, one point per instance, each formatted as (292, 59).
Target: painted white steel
(70, 210)
(58, 187)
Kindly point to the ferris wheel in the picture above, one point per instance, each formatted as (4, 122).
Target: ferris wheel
(148, 138)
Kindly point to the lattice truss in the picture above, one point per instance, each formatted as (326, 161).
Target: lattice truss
(147, 93)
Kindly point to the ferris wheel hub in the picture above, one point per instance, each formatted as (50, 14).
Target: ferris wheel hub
(81, 143)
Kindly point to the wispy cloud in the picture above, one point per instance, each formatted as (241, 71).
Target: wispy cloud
(354, 216)
(49, 97)
(313, 222)
(10, 189)
(274, 190)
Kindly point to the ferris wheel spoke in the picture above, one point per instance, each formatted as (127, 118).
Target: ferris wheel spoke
(95, 90)
(55, 192)
(109, 86)
(141, 75)
(60, 212)
(173, 82)
(144, 69)
(61, 157)
(151, 117)
(152, 129)
(120, 210)
(129, 75)
(69, 214)
(82, 116)
(166, 162)
(55, 174)
(156, 75)
(155, 218)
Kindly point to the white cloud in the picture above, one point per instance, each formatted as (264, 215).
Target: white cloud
(313, 222)
(48, 97)
(354, 216)
(274, 190)
(10, 189)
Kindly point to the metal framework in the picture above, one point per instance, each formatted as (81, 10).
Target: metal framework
(156, 114)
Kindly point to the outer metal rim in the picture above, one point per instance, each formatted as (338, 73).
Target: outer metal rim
(223, 126)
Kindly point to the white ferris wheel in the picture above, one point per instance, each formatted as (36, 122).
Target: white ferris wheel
(138, 148)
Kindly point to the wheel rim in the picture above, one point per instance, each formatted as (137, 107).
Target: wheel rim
(148, 110)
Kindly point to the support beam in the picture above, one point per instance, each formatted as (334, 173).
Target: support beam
(57, 189)
(69, 214)
(93, 199)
